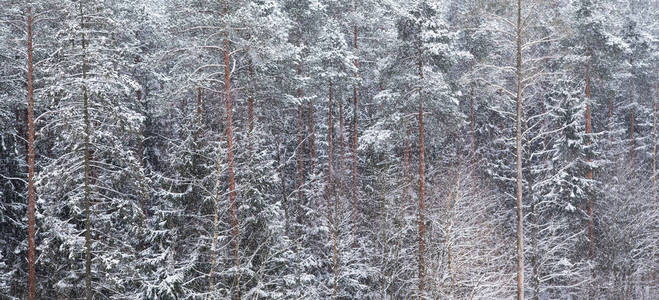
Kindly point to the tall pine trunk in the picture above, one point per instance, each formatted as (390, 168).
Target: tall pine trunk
(312, 137)
(229, 132)
(472, 125)
(330, 193)
(422, 226)
(355, 126)
(341, 149)
(520, 233)
(85, 99)
(632, 138)
(300, 174)
(30, 160)
(250, 108)
(654, 131)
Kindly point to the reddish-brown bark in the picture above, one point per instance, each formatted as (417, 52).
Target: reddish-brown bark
(312, 137)
(30, 161)
(229, 133)
(341, 149)
(422, 203)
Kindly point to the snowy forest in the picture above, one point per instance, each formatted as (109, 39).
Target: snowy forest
(329, 149)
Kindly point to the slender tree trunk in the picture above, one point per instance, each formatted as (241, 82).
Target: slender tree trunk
(312, 137)
(654, 159)
(329, 155)
(422, 226)
(589, 174)
(341, 149)
(520, 216)
(85, 98)
(632, 130)
(300, 183)
(472, 119)
(355, 134)
(300, 164)
(30, 161)
(235, 241)
(610, 119)
(654, 131)
(330, 193)
(300, 139)
(250, 110)
(200, 119)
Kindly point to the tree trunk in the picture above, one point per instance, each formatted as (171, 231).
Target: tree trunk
(229, 132)
(355, 126)
(330, 217)
(300, 138)
(312, 137)
(200, 120)
(341, 150)
(85, 98)
(610, 119)
(520, 233)
(250, 109)
(300, 183)
(589, 174)
(632, 138)
(472, 119)
(422, 226)
(300, 166)
(30, 161)
(329, 155)
(654, 131)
